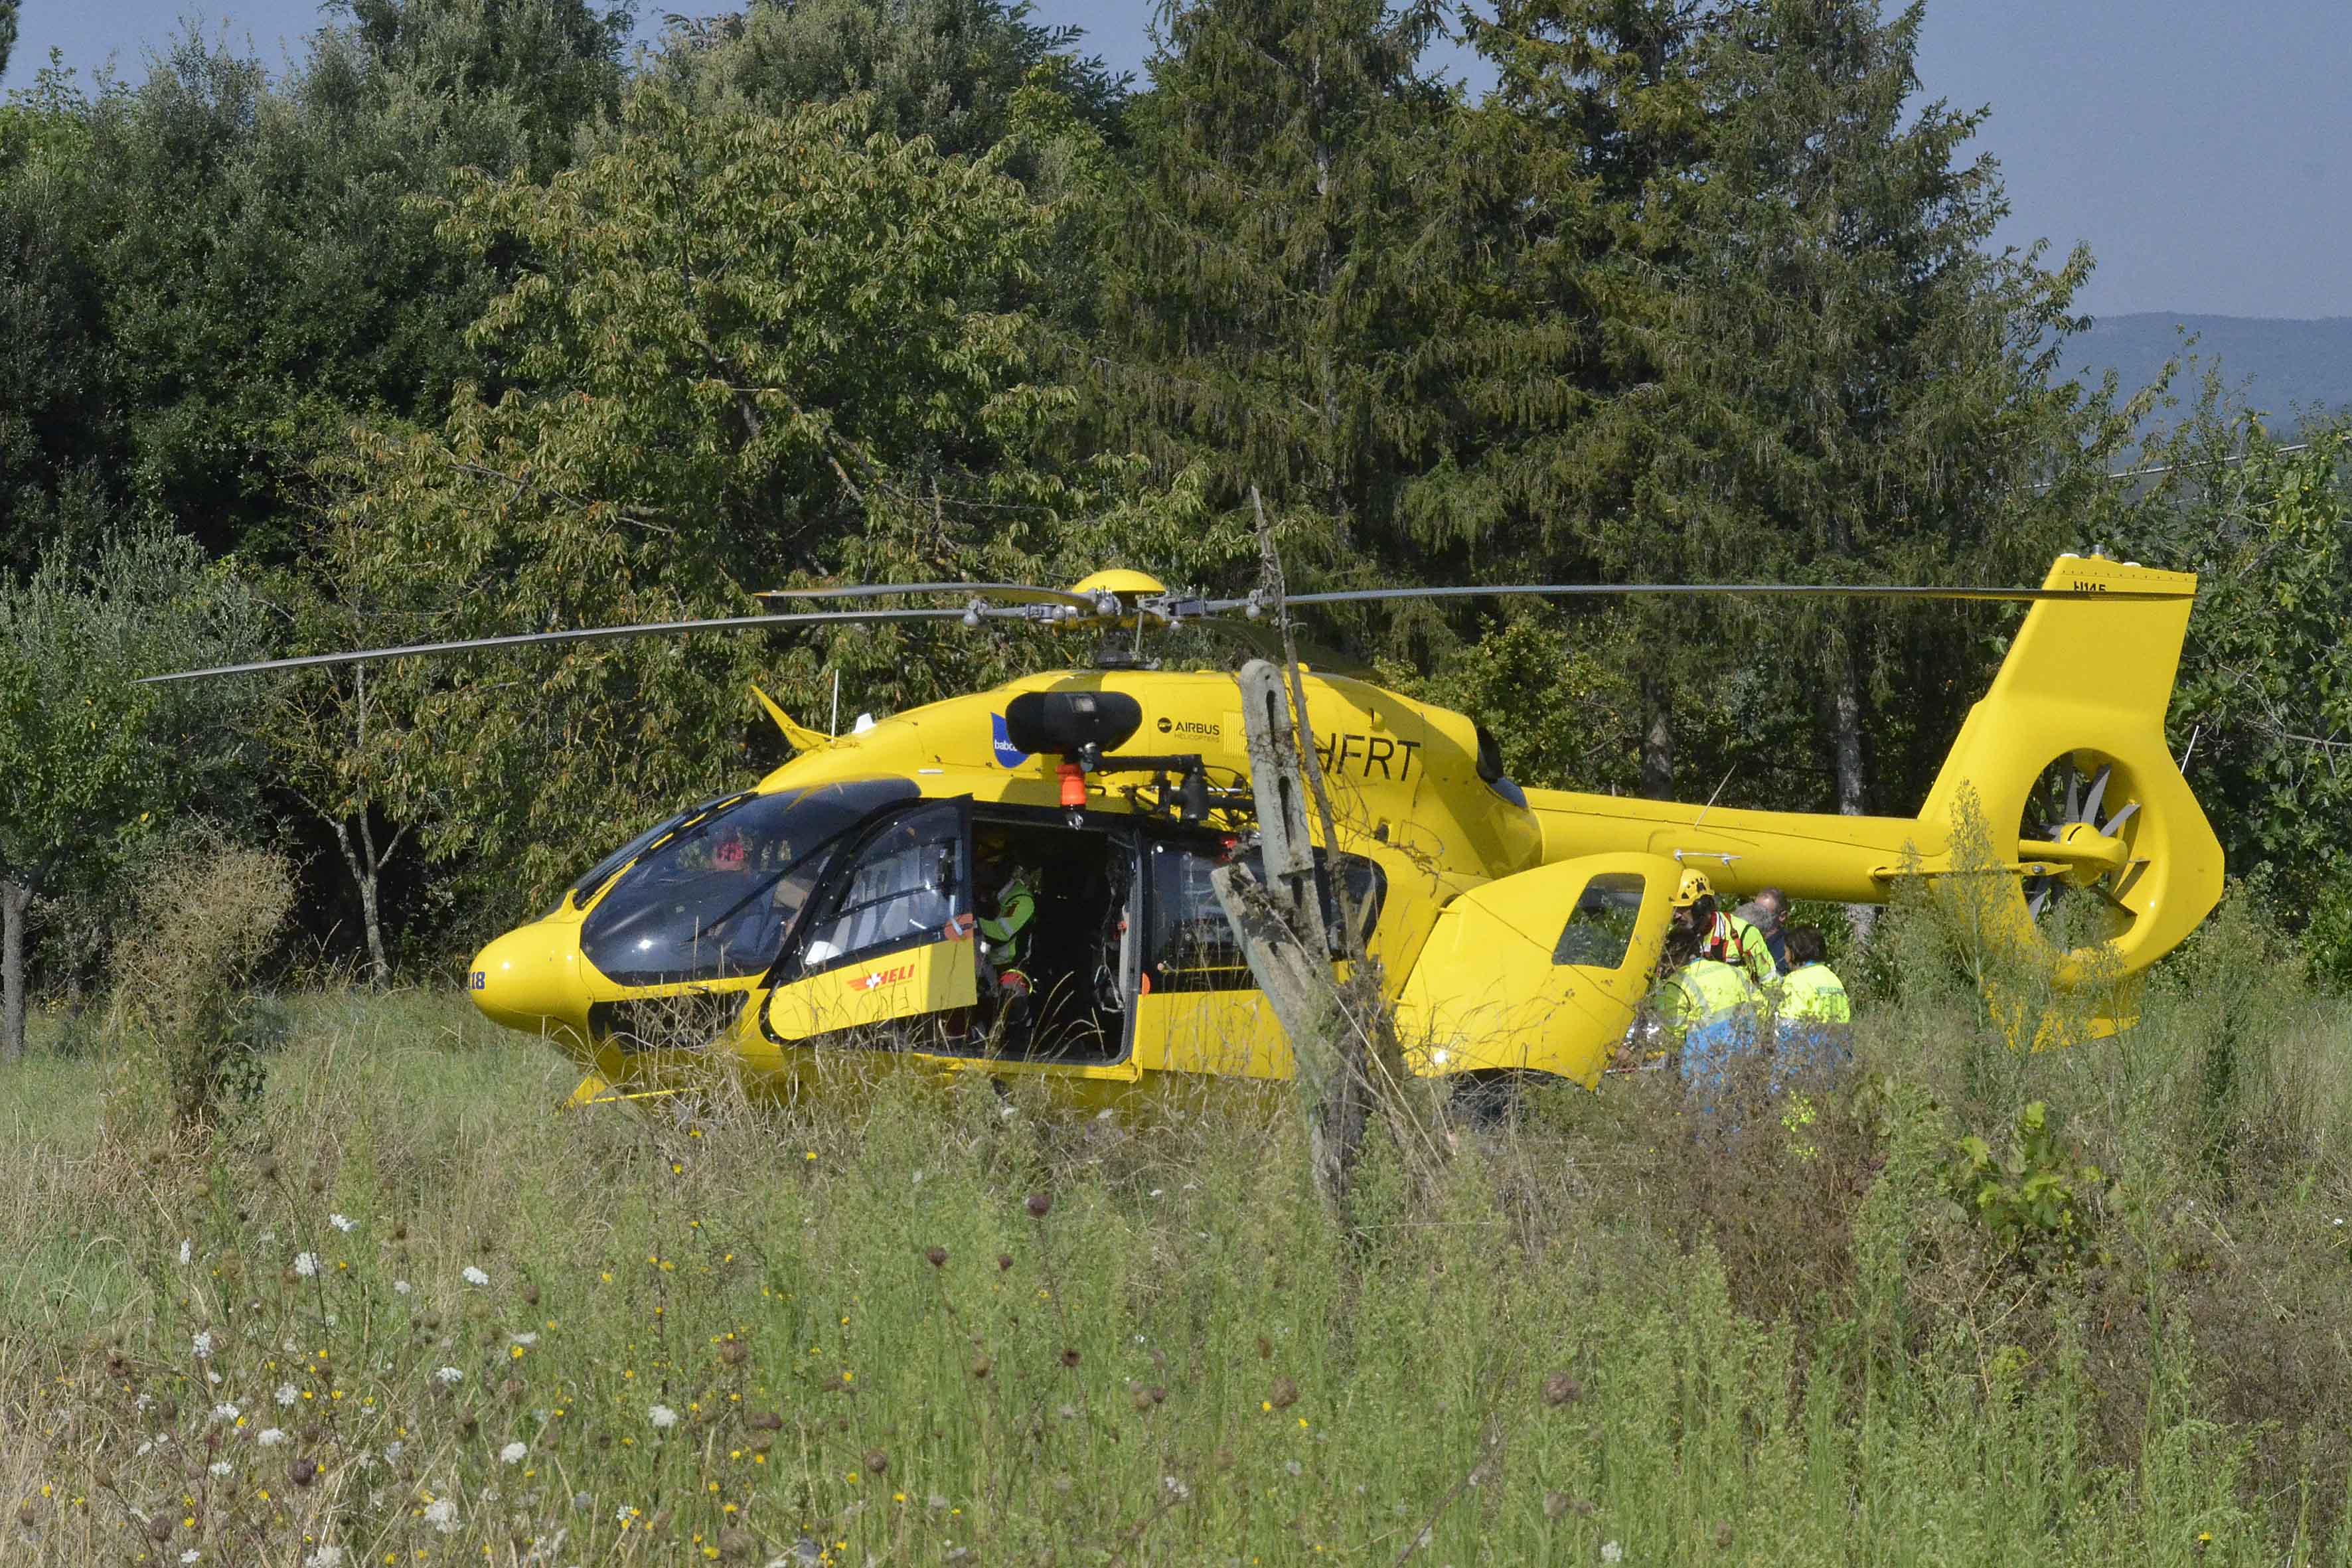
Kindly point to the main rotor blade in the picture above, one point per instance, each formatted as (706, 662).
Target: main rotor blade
(1021, 592)
(1707, 590)
(585, 633)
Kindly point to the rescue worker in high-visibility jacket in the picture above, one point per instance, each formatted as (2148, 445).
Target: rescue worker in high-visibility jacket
(1714, 1010)
(1006, 907)
(1725, 938)
(1815, 1016)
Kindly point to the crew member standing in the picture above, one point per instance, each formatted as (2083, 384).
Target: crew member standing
(1768, 912)
(1815, 1031)
(1725, 938)
(1714, 1010)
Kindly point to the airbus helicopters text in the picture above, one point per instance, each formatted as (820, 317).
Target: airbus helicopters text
(853, 899)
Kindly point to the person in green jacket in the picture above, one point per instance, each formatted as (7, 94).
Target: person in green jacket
(1006, 906)
(1714, 1010)
(1815, 1028)
(1723, 937)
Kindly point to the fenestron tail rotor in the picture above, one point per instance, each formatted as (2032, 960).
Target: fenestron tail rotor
(2080, 814)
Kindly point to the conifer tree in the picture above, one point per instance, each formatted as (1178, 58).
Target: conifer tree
(1861, 383)
(1795, 356)
(1281, 269)
(1591, 140)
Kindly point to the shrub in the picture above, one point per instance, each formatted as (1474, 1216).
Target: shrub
(207, 916)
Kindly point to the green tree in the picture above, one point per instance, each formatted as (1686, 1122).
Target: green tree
(2262, 708)
(264, 280)
(1593, 140)
(529, 72)
(1797, 358)
(950, 69)
(1281, 274)
(59, 434)
(1864, 387)
(7, 32)
(95, 763)
(745, 349)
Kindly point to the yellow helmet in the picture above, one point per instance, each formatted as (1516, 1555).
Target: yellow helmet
(1695, 887)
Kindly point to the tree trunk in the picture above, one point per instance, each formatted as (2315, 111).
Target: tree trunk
(1657, 741)
(15, 904)
(379, 967)
(363, 871)
(1845, 694)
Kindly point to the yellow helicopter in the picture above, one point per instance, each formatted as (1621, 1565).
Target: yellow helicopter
(853, 899)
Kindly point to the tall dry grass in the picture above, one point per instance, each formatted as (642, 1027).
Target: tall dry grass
(403, 1311)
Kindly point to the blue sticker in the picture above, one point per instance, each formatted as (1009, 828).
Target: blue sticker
(1007, 756)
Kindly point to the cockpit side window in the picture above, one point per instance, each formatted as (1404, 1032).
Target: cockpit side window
(715, 900)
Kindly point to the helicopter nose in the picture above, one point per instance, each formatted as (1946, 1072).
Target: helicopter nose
(529, 978)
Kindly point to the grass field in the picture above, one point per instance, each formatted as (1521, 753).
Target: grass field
(401, 1312)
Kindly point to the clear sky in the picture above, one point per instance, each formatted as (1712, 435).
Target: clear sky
(2203, 150)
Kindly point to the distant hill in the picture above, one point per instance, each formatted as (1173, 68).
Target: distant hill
(2284, 366)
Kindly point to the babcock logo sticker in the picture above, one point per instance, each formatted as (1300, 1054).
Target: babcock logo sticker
(1007, 754)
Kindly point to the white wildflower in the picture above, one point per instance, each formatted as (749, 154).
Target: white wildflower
(663, 1417)
(203, 1344)
(448, 1376)
(187, 1253)
(475, 1276)
(325, 1557)
(189, 1555)
(524, 1339)
(392, 1452)
(271, 1436)
(225, 1413)
(343, 1223)
(400, 1287)
(441, 1513)
(1176, 1488)
(622, 1514)
(306, 1263)
(217, 1467)
(513, 1452)
(288, 1394)
(1611, 1552)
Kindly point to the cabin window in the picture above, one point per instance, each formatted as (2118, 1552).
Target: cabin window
(715, 900)
(1193, 946)
(1601, 927)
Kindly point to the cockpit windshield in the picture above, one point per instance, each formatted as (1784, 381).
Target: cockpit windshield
(598, 874)
(715, 900)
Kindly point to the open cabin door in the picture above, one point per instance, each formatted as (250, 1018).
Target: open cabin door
(1541, 971)
(890, 936)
